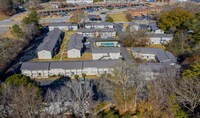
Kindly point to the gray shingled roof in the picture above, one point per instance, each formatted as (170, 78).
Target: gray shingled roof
(146, 50)
(66, 65)
(162, 56)
(153, 26)
(163, 35)
(35, 66)
(75, 42)
(141, 26)
(49, 42)
(62, 24)
(69, 64)
(99, 23)
(101, 63)
(98, 29)
(153, 67)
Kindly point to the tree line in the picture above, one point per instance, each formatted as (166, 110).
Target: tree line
(126, 90)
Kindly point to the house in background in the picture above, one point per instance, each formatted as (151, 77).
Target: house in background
(100, 32)
(68, 68)
(79, 1)
(35, 69)
(153, 27)
(75, 46)
(135, 26)
(161, 38)
(105, 49)
(63, 26)
(156, 54)
(98, 25)
(50, 45)
(143, 19)
(164, 62)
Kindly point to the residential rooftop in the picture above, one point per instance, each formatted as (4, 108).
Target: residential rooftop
(97, 29)
(35, 66)
(75, 42)
(69, 64)
(162, 56)
(153, 26)
(99, 23)
(163, 35)
(62, 24)
(141, 26)
(49, 42)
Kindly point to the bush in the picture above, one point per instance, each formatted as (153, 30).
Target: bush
(17, 31)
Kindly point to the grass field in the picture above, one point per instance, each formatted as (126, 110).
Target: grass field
(85, 56)
(62, 53)
(119, 17)
(157, 46)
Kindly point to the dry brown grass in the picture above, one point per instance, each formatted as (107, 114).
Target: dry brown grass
(85, 56)
(8, 34)
(3, 17)
(51, 16)
(119, 17)
(19, 17)
(92, 77)
(157, 46)
(125, 25)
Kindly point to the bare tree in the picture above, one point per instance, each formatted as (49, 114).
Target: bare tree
(30, 31)
(159, 102)
(6, 7)
(124, 86)
(76, 97)
(21, 101)
(9, 50)
(78, 17)
(136, 38)
(188, 93)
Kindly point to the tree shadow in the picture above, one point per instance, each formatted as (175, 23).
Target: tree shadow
(56, 84)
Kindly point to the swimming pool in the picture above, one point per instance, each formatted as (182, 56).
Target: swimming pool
(108, 44)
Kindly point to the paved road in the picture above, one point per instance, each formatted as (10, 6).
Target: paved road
(5, 24)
